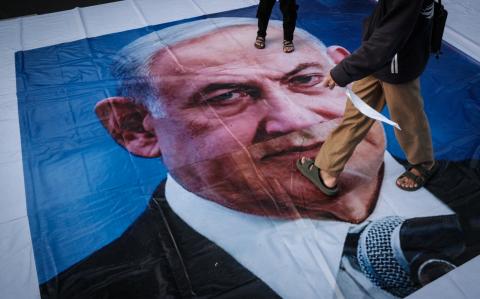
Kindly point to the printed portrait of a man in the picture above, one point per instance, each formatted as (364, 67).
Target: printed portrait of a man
(229, 122)
(233, 217)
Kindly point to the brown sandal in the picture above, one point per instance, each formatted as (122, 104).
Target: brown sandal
(312, 172)
(288, 46)
(260, 42)
(419, 180)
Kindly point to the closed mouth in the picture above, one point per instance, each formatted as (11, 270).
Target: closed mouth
(299, 141)
(293, 149)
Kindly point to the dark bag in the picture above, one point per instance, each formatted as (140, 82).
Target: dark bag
(439, 19)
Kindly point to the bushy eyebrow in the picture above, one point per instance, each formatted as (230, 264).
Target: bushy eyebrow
(254, 91)
(301, 67)
(218, 86)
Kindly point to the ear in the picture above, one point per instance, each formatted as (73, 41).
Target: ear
(337, 53)
(129, 125)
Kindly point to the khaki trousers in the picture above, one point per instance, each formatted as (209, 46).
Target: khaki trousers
(405, 105)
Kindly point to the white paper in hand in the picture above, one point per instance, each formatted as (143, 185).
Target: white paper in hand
(367, 110)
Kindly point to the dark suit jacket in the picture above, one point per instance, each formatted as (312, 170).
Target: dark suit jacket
(160, 256)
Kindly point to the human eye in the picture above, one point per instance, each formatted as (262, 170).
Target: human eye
(229, 96)
(305, 80)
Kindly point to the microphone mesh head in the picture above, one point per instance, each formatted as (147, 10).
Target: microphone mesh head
(376, 257)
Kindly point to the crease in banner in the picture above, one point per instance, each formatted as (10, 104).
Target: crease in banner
(367, 110)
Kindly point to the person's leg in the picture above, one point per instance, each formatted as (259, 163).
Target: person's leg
(341, 143)
(289, 12)
(263, 14)
(405, 104)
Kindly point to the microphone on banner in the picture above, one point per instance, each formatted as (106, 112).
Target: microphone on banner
(400, 256)
(367, 110)
(381, 259)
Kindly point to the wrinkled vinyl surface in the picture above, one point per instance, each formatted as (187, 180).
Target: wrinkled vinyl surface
(159, 155)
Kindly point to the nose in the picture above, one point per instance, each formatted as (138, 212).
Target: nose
(286, 113)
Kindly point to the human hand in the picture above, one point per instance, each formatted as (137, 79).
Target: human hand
(328, 82)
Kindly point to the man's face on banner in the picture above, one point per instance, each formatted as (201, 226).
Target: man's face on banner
(237, 118)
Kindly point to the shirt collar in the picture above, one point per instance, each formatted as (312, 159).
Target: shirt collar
(296, 258)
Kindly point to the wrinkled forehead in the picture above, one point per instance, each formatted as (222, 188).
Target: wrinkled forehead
(232, 47)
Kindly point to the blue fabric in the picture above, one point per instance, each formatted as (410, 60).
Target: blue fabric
(83, 190)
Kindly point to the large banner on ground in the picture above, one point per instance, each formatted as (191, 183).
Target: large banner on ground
(160, 162)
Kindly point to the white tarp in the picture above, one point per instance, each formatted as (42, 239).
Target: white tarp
(18, 278)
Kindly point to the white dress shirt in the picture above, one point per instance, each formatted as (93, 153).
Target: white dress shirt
(296, 258)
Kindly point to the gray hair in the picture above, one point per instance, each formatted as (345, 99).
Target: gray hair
(132, 64)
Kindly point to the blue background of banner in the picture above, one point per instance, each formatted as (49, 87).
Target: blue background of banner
(83, 190)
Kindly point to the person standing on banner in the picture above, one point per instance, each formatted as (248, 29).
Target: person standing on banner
(386, 68)
(289, 10)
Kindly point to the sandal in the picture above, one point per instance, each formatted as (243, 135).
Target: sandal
(260, 42)
(288, 46)
(419, 180)
(312, 172)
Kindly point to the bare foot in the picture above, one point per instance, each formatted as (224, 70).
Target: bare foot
(407, 182)
(288, 46)
(260, 42)
(329, 180)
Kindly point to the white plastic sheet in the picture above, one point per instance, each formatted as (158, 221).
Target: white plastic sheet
(18, 275)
